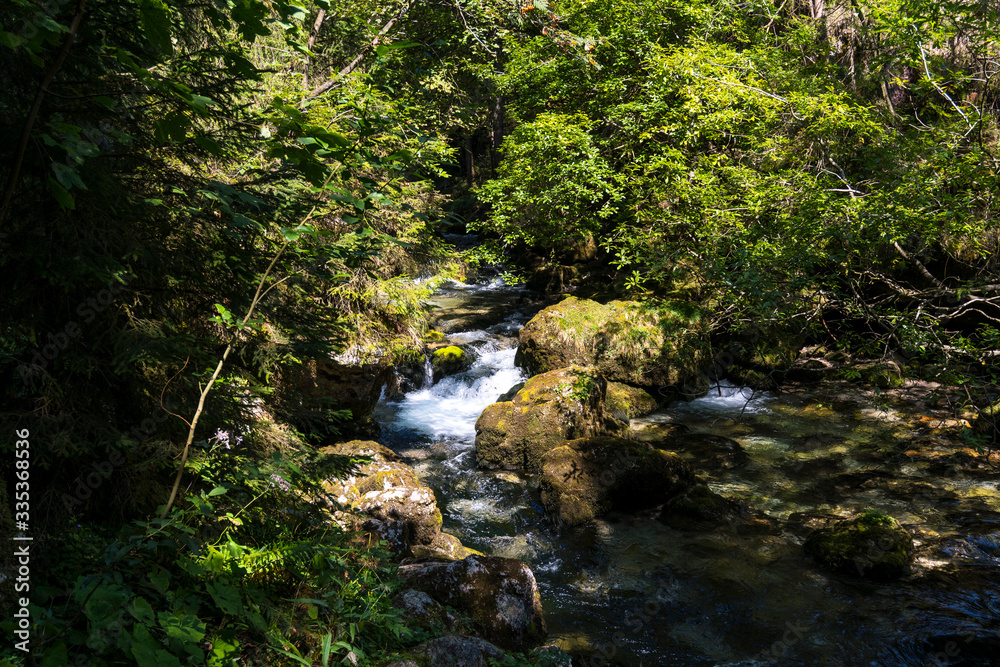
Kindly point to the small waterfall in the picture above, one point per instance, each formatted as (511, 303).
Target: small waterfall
(428, 373)
(450, 408)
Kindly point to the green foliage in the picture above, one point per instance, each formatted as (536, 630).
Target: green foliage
(552, 186)
(874, 517)
(221, 576)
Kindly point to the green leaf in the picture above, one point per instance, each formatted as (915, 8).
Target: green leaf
(155, 18)
(62, 196)
(55, 656)
(224, 312)
(147, 651)
(210, 145)
(160, 579)
(226, 597)
(67, 176)
(142, 611)
(184, 627)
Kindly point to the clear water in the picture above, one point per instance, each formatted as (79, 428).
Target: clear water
(629, 590)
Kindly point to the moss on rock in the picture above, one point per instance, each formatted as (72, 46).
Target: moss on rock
(449, 360)
(871, 545)
(402, 510)
(639, 344)
(549, 409)
(589, 477)
(627, 402)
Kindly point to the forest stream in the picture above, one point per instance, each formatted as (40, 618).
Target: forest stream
(632, 590)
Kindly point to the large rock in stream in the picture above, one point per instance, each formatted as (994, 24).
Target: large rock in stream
(499, 594)
(548, 410)
(402, 511)
(637, 344)
(585, 478)
(871, 545)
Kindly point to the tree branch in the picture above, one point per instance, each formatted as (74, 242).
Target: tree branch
(361, 56)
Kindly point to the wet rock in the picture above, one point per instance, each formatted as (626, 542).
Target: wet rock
(425, 612)
(550, 409)
(589, 477)
(553, 279)
(885, 373)
(499, 595)
(444, 547)
(658, 432)
(626, 402)
(511, 393)
(699, 506)
(809, 370)
(458, 651)
(871, 545)
(402, 511)
(704, 451)
(833, 488)
(449, 360)
(626, 341)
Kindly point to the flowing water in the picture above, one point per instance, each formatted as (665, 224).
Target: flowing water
(629, 590)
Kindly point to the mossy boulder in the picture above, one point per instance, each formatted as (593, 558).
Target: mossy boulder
(548, 410)
(449, 360)
(871, 545)
(402, 510)
(641, 345)
(444, 547)
(761, 358)
(499, 595)
(553, 278)
(588, 477)
(884, 374)
(627, 402)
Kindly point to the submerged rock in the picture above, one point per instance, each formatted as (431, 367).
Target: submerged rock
(548, 410)
(626, 341)
(871, 545)
(589, 477)
(699, 506)
(499, 595)
(705, 451)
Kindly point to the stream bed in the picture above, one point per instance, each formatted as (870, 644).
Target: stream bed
(630, 590)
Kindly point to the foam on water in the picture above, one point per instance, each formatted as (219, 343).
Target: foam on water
(450, 408)
(724, 398)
